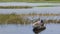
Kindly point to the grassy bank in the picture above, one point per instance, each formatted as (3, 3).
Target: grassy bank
(20, 19)
(29, 0)
(14, 7)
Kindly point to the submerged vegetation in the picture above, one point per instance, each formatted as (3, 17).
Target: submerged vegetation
(48, 6)
(14, 7)
(21, 18)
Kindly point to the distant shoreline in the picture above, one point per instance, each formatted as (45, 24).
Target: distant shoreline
(32, 1)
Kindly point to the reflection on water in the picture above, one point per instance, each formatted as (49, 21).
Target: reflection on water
(27, 29)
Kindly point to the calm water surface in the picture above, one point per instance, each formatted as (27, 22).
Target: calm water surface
(42, 10)
(38, 10)
(26, 4)
(27, 29)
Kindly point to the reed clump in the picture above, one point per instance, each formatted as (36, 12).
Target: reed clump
(23, 18)
(12, 19)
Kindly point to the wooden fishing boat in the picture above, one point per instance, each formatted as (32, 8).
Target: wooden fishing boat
(37, 30)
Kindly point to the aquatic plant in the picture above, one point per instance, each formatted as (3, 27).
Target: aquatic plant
(14, 18)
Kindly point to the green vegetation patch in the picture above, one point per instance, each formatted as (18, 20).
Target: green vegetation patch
(29, 0)
(22, 19)
(12, 19)
(14, 7)
(48, 6)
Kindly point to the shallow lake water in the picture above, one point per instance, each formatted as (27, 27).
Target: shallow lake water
(38, 10)
(42, 10)
(27, 29)
(26, 4)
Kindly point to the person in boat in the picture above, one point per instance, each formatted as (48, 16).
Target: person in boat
(42, 23)
(38, 24)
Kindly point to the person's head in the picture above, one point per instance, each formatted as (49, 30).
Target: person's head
(42, 21)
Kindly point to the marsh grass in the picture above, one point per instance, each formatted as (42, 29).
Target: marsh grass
(12, 19)
(22, 19)
(47, 6)
(15, 7)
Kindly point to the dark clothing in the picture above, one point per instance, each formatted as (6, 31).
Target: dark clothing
(42, 23)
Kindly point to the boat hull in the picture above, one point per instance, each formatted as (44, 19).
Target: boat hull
(37, 30)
